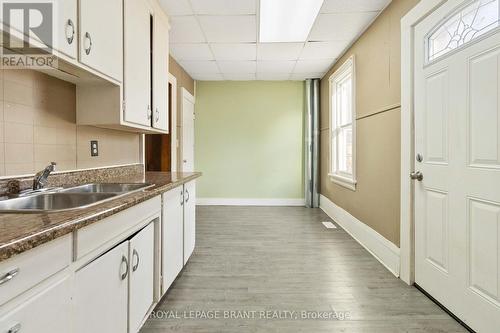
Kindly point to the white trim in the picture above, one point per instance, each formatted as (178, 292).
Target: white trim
(381, 248)
(349, 66)
(408, 23)
(174, 142)
(248, 202)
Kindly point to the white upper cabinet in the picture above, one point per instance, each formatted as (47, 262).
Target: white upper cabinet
(67, 25)
(160, 74)
(101, 36)
(137, 84)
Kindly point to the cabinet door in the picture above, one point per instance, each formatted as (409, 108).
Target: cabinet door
(100, 294)
(172, 236)
(141, 277)
(67, 24)
(137, 80)
(160, 74)
(46, 312)
(101, 36)
(189, 219)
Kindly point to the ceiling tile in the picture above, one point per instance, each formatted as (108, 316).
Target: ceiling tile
(185, 29)
(272, 77)
(234, 51)
(305, 76)
(207, 77)
(340, 27)
(237, 67)
(239, 77)
(176, 7)
(276, 66)
(200, 67)
(229, 29)
(346, 6)
(182, 52)
(323, 50)
(313, 66)
(224, 7)
(279, 51)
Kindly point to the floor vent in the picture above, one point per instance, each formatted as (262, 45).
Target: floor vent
(329, 225)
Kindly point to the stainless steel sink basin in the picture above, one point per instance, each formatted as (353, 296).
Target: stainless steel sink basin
(107, 188)
(60, 199)
(53, 202)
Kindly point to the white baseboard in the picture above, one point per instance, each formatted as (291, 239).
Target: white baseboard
(381, 248)
(248, 202)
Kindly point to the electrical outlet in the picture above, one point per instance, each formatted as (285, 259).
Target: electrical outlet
(94, 148)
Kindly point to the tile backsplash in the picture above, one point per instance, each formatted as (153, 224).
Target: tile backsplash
(38, 125)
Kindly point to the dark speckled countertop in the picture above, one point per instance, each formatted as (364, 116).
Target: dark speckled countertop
(22, 232)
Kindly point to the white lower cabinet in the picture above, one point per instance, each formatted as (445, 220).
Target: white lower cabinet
(189, 219)
(172, 235)
(100, 295)
(116, 290)
(141, 279)
(178, 231)
(48, 311)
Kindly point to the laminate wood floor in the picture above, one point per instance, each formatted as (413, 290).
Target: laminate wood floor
(271, 266)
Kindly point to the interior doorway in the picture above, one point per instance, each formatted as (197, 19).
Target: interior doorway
(160, 149)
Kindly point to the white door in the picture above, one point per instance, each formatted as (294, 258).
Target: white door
(101, 36)
(100, 294)
(189, 219)
(172, 236)
(187, 143)
(457, 134)
(47, 312)
(141, 254)
(160, 73)
(137, 58)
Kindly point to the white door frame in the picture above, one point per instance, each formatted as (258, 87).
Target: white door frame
(407, 236)
(173, 133)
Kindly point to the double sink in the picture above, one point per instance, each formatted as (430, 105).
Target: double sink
(65, 199)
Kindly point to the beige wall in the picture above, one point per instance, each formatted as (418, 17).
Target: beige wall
(378, 99)
(183, 80)
(38, 125)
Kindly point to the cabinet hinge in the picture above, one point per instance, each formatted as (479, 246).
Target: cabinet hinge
(123, 108)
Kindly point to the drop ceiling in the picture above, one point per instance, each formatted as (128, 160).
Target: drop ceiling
(218, 39)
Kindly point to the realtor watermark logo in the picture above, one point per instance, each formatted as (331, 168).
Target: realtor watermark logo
(28, 34)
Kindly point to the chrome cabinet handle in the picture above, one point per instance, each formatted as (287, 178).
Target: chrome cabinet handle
(135, 254)
(9, 276)
(149, 112)
(70, 37)
(89, 38)
(188, 196)
(417, 175)
(157, 115)
(182, 198)
(124, 261)
(15, 329)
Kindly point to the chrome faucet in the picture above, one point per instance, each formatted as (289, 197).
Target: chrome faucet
(41, 177)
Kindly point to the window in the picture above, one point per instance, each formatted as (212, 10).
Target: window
(470, 22)
(343, 125)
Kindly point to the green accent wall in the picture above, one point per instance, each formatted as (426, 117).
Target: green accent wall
(249, 139)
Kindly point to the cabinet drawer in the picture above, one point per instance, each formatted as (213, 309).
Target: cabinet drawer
(97, 235)
(47, 311)
(26, 270)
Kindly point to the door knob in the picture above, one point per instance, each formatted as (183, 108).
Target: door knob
(417, 175)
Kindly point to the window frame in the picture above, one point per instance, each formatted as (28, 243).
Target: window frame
(341, 178)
